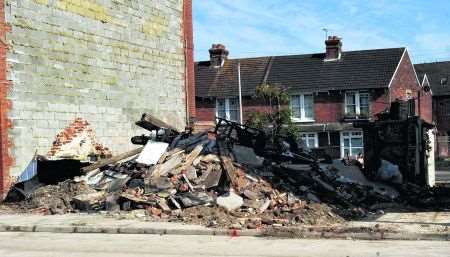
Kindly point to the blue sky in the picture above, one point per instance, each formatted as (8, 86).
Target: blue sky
(278, 27)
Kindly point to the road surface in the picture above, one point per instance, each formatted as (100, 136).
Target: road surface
(112, 245)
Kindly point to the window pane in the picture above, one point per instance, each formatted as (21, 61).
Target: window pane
(364, 103)
(364, 110)
(350, 103)
(295, 101)
(364, 99)
(346, 151)
(295, 106)
(311, 142)
(296, 113)
(357, 142)
(346, 142)
(309, 107)
(309, 113)
(356, 151)
(350, 98)
(221, 103)
(351, 109)
(234, 115)
(221, 108)
(234, 104)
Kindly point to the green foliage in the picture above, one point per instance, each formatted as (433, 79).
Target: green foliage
(274, 94)
(278, 119)
(257, 120)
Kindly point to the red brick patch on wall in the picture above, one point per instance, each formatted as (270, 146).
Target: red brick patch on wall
(189, 58)
(73, 130)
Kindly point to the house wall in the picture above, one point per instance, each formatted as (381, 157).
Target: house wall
(442, 113)
(379, 101)
(206, 108)
(104, 61)
(253, 105)
(406, 79)
(426, 106)
(328, 107)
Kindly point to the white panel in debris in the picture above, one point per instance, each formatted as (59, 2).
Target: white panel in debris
(152, 152)
(431, 168)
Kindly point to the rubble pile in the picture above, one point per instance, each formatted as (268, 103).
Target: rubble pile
(198, 180)
(216, 179)
(56, 199)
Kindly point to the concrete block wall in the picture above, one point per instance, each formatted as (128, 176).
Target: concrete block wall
(106, 61)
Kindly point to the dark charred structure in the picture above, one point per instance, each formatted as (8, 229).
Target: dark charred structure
(401, 138)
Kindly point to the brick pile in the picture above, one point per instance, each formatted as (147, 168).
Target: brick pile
(75, 129)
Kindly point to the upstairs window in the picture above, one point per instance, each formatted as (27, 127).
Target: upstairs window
(302, 107)
(357, 104)
(228, 108)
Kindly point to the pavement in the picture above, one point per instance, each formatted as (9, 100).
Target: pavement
(390, 226)
(16, 244)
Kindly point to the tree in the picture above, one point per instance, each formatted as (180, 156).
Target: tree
(278, 118)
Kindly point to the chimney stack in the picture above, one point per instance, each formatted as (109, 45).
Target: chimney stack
(218, 54)
(333, 48)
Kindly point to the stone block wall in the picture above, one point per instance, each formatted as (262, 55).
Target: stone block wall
(106, 61)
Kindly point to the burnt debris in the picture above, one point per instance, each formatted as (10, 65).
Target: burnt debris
(231, 177)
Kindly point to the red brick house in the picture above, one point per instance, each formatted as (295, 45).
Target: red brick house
(328, 90)
(437, 76)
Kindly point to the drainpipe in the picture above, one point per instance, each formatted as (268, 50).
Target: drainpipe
(240, 92)
(418, 102)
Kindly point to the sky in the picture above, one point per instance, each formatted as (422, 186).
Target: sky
(250, 28)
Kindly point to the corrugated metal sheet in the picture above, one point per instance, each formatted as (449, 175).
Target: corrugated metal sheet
(29, 172)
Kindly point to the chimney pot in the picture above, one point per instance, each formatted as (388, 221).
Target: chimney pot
(218, 54)
(333, 48)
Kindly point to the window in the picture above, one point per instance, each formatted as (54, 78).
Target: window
(357, 104)
(351, 143)
(302, 107)
(408, 94)
(310, 140)
(228, 108)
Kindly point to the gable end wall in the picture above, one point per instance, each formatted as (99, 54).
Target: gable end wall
(405, 79)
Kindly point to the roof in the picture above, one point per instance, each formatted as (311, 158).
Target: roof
(355, 70)
(435, 71)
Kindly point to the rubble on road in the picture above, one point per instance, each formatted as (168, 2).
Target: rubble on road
(218, 179)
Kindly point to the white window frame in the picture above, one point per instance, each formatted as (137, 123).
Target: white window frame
(302, 108)
(227, 108)
(351, 134)
(311, 135)
(357, 101)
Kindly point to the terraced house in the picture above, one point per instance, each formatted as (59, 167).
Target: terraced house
(328, 91)
(437, 76)
(102, 63)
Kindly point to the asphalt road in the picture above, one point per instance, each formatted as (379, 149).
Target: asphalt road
(52, 244)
